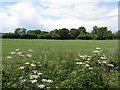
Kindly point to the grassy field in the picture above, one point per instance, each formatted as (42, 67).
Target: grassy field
(60, 63)
(85, 46)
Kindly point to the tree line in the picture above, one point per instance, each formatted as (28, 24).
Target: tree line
(97, 33)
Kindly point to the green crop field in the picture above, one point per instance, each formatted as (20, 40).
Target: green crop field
(35, 63)
(76, 46)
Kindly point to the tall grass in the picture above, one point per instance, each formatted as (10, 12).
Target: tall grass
(59, 64)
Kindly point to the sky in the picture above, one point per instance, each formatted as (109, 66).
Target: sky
(48, 15)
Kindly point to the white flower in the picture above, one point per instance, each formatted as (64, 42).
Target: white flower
(99, 62)
(89, 56)
(98, 48)
(30, 50)
(85, 55)
(13, 52)
(82, 56)
(41, 86)
(33, 81)
(21, 67)
(17, 49)
(88, 59)
(39, 73)
(79, 63)
(49, 81)
(44, 80)
(33, 65)
(111, 65)
(103, 58)
(38, 62)
(105, 62)
(23, 80)
(20, 77)
(96, 51)
(33, 76)
(90, 68)
(27, 63)
(34, 71)
(8, 57)
(77, 59)
(87, 65)
(29, 55)
(48, 87)
(22, 55)
(19, 53)
(39, 65)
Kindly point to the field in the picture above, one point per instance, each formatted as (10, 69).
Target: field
(60, 63)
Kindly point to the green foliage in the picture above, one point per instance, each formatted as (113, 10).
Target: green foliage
(98, 33)
(20, 31)
(64, 33)
(65, 69)
(10, 35)
(108, 35)
(94, 31)
(82, 30)
(74, 33)
(84, 36)
(118, 34)
(55, 36)
(34, 32)
(44, 35)
(101, 32)
(29, 36)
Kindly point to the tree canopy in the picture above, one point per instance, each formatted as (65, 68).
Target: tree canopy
(97, 33)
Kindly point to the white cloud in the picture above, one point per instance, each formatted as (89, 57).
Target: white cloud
(114, 12)
(71, 14)
(22, 14)
(76, 13)
(8, 23)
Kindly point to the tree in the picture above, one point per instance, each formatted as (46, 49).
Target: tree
(20, 31)
(64, 33)
(44, 35)
(55, 34)
(101, 33)
(94, 31)
(10, 35)
(74, 33)
(82, 29)
(34, 32)
(84, 36)
(118, 34)
(108, 35)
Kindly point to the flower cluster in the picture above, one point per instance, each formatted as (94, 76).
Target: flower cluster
(98, 50)
(34, 76)
(86, 62)
(17, 52)
(99, 58)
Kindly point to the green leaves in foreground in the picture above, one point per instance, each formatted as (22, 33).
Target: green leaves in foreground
(62, 71)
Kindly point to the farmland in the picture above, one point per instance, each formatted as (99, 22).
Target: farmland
(60, 63)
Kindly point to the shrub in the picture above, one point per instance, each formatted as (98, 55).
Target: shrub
(29, 36)
(10, 35)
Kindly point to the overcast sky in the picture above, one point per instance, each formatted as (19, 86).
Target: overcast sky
(55, 14)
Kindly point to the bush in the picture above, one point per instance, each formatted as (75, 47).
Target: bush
(10, 35)
(46, 36)
(84, 36)
(29, 36)
(55, 36)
